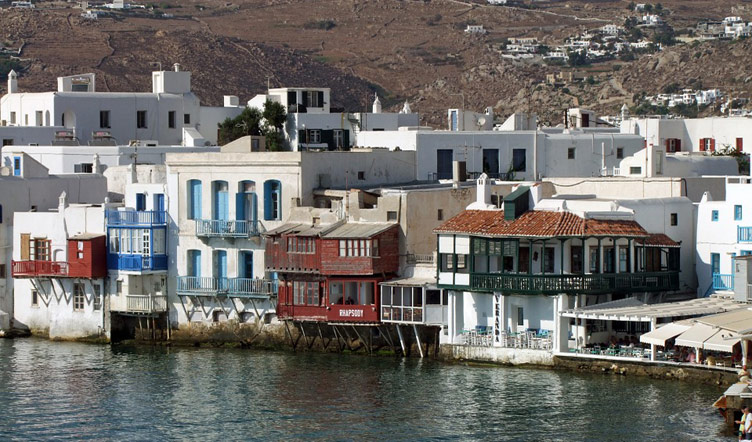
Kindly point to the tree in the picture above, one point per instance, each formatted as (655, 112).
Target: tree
(577, 58)
(648, 8)
(630, 22)
(671, 88)
(275, 117)
(631, 6)
(247, 123)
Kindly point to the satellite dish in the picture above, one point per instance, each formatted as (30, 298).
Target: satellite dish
(481, 121)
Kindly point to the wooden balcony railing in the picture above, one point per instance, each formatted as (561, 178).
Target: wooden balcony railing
(226, 228)
(28, 269)
(210, 286)
(136, 217)
(584, 284)
(146, 304)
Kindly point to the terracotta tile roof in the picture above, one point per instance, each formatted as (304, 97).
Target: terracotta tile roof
(538, 223)
(658, 240)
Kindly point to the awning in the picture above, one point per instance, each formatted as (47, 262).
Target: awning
(718, 341)
(696, 335)
(660, 335)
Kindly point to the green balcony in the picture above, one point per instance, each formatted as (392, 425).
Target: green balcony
(574, 284)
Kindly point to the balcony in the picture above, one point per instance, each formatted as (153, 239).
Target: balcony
(723, 281)
(238, 287)
(582, 284)
(146, 304)
(744, 234)
(136, 218)
(214, 228)
(137, 263)
(31, 269)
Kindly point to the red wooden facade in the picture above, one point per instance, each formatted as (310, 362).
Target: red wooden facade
(87, 258)
(332, 279)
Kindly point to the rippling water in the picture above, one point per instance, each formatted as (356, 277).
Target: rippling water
(67, 390)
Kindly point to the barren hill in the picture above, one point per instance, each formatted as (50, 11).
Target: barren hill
(414, 50)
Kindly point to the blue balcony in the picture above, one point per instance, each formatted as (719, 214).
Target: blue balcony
(723, 281)
(136, 263)
(744, 234)
(136, 218)
(237, 287)
(213, 228)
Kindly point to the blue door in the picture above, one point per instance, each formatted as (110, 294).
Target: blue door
(221, 268)
(246, 265)
(159, 202)
(194, 263)
(194, 211)
(140, 202)
(715, 262)
(221, 207)
(444, 163)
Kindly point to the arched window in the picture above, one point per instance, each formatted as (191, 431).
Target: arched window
(272, 200)
(194, 199)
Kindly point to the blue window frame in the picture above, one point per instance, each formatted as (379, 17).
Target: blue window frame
(16, 166)
(738, 212)
(246, 264)
(220, 264)
(194, 263)
(159, 202)
(715, 263)
(746, 252)
(246, 204)
(140, 202)
(714, 215)
(194, 199)
(272, 200)
(221, 209)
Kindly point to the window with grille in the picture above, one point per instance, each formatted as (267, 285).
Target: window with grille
(79, 296)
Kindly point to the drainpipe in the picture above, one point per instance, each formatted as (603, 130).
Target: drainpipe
(535, 155)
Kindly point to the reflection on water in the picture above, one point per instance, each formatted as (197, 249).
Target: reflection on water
(67, 390)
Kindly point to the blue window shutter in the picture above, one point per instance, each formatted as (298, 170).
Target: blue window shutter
(140, 202)
(16, 166)
(194, 211)
(254, 207)
(268, 200)
(240, 206)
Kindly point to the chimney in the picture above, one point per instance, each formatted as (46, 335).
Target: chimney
(97, 165)
(62, 202)
(376, 104)
(12, 82)
(483, 190)
(176, 66)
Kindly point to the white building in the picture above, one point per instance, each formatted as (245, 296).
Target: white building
(692, 134)
(222, 202)
(313, 125)
(27, 186)
(724, 231)
(171, 114)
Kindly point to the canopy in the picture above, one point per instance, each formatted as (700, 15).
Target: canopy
(696, 335)
(662, 334)
(719, 341)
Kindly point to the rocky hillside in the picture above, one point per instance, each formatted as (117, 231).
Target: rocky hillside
(414, 50)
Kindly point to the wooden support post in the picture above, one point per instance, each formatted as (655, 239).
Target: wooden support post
(417, 340)
(402, 340)
(293, 342)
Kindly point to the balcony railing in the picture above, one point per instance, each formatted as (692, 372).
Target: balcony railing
(22, 269)
(413, 258)
(744, 234)
(250, 287)
(136, 263)
(226, 228)
(723, 281)
(146, 304)
(585, 284)
(136, 218)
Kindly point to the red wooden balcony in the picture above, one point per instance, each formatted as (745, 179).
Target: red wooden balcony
(31, 269)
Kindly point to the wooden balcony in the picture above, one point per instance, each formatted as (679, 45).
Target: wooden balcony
(237, 287)
(136, 263)
(575, 284)
(215, 228)
(146, 304)
(32, 269)
(136, 218)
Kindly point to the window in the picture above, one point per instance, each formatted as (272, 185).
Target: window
(740, 144)
(272, 200)
(16, 166)
(186, 118)
(359, 247)
(548, 263)
(339, 138)
(83, 168)
(97, 296)
(141, 119)
(447, 263)
(462, 264)
(707, 144)
(301, 245)
(619, 153)
(194, 199)
(79, 296)
(40, 249)
(2, 271)
(140, 202)
(313, 136)
(570, 153)
(635, 170)
(519, 160)
(673, 145)
(440, 215)
(391, 215)
(520, 316)
(595, 264)
(314, 98)
(119, 286)
(361, 175)
(714, 215)
(715, 262)
(34, 298)
(171, 119)
(12, 118)
(39, 118)
(104, 119)
(623, 259)
(7, 141)
(674, 219)
(737, 212)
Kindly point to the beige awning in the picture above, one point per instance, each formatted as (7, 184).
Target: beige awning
(660, 335)
(696, 335)
(722, 340)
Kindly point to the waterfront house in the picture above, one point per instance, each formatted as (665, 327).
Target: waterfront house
(509, 271)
